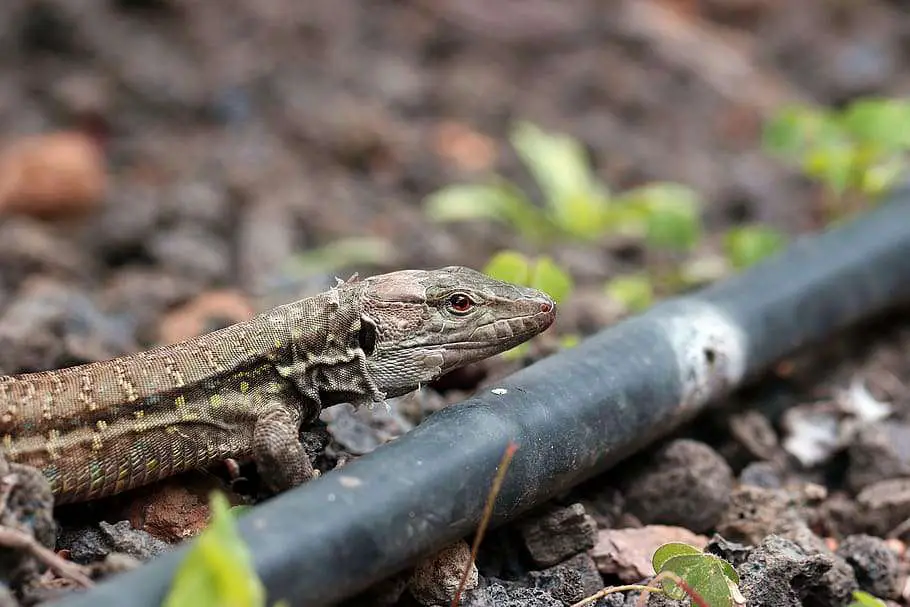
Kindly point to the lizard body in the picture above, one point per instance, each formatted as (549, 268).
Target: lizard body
(243, 391)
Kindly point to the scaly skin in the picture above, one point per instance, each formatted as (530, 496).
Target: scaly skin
(243, 391)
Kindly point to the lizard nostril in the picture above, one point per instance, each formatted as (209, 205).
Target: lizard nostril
(545, 307)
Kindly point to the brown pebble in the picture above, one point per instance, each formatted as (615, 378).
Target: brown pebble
(435, 579)
(173, 510)
(54, 175)
(626, 553)
(468, 149)
(207, 312)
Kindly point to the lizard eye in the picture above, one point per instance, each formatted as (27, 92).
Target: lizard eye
(459, 303)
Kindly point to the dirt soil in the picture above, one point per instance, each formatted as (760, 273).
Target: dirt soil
(165, 163)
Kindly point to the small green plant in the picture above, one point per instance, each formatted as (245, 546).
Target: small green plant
(218, 570)
(745, 246)
(858, 152)
(577, 207)
(540, 273)
(635, 292)
(711, 577)
(685, 572)
(864, 599)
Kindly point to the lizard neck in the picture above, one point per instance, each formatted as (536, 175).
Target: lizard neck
(327, 365)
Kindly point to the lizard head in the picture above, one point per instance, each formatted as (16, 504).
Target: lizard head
(419, 324)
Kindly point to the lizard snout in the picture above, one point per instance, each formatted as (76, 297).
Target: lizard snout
(545, 311)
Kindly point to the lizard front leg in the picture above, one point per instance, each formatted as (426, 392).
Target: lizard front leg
(280, 458)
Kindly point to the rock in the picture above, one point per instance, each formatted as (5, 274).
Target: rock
(779, 573)
(505, 594)
(732, 552)
(761, 474)
(435, 579)
(874, 563)
(351, 431)
(686, 484)
(52, 324)
(174, 509)
(884, 505)
(89, 544)
(755, 433)
(755, 513)
(569, 581)
(811, 433)
(626, 553)
(193, 251)
(558, 533)
(877, 454)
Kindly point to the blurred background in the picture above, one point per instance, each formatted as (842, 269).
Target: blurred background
(169, 166)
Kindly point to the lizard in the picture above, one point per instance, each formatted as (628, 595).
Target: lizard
(244, 391)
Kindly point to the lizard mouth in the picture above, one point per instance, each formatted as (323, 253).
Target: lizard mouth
(530, 325)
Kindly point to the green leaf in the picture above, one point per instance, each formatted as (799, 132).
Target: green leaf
(623, 218)
(833, 163)
(498, 201)
(471, 202)
(745, 246)
(634, 291)
(795, 129)
(561, 168)
(510, 266)
(672, 214)
(705, 573)
(581, 215)
(218, 570)
(667, 551)
(880, 121)
(549, 277)
(864, 599)
(881, 177)
(542, 273)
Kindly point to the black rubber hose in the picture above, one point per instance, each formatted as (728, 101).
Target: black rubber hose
(572, 415)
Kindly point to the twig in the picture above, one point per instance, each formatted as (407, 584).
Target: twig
(19, 540)
(612, 590)
(485, 519)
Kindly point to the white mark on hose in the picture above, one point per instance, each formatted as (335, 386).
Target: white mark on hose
(710, 351)
(349, 482)
(499, 391)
